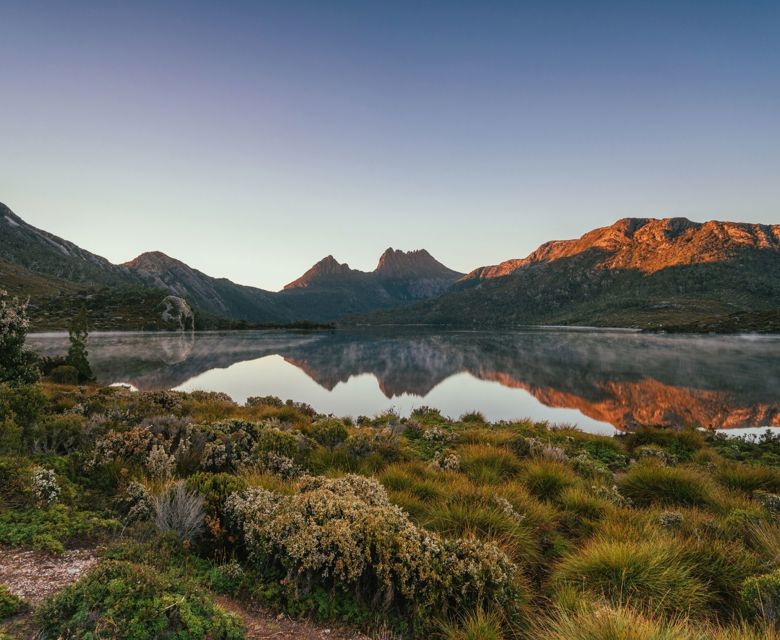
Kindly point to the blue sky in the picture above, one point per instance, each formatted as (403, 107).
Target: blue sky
(250, 139)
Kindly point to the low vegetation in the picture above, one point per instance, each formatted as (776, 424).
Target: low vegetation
(418, 527)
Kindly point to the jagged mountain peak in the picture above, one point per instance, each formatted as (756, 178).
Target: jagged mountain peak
(155, 261)
(395, 263)
(326, 269)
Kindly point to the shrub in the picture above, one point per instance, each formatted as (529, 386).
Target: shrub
(682, 443)
(45, 487)
(547, 479)
(135, 503)
(61, 434)
(121, 599)
(329, 433)
(345, 534)
(18, 366)
(64, 374)
(49, 529)
(670, 486)
(646, 573)
(10, 604)
(215, 488)
(180, 511)
(761, 597)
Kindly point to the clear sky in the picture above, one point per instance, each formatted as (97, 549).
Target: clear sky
(250, 139)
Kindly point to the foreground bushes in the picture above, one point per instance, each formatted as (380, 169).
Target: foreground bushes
(346, 533)
(647, 484)
(125, 600)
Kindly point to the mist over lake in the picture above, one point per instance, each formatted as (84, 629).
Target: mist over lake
(599, 380)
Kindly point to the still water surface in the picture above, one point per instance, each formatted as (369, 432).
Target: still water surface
(598, 380)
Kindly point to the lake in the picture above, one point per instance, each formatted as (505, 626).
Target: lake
(598, 380)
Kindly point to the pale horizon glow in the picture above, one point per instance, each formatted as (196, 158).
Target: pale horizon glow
(249, 140)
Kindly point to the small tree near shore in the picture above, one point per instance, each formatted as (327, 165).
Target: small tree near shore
(18, 366)
(77, 353)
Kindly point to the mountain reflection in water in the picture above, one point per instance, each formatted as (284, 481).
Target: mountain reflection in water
(590, 378)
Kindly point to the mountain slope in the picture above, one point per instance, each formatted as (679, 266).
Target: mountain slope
(218, 296)
(637, 272)
(46, 254)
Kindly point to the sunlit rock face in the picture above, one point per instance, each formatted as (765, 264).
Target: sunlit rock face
(177, 313)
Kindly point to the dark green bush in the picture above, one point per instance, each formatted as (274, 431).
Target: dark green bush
(10, 604)
(329, 433)
(682, 443)
(761, 597)
(125, 600)
(64, 374)
(58, 434)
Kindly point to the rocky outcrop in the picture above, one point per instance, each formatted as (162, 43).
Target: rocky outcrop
(177, 313)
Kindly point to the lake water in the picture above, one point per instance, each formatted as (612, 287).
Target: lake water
(599, 380)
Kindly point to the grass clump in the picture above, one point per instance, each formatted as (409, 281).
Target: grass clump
(486, 464)
(647, 484)
(649, 573)
(547, 479)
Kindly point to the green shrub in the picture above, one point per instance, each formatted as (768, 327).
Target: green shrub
(682, 443)
(58, 434)
(51, 528)
(647, 573)
(215, 488)
(64, 374)
(329, 433)
(761, 597)
(121, 599)
(546, 479)
(10, 604)
(646, 484)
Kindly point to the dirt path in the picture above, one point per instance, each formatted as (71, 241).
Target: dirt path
(34, 575)
(262, 625)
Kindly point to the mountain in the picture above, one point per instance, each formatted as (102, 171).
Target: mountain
(45, 254)
(637, 272)
(60, 276)
(217, 296)
(331, 290)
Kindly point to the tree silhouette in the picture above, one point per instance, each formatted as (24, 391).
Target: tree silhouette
(77, 353)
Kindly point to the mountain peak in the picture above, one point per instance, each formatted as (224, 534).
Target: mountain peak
(325, 269)
(154, 261)
(395, 263)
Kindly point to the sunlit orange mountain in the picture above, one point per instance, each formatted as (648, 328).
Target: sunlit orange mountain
(638, 272)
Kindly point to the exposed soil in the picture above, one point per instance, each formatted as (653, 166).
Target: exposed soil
(263, 625)
(34, 576)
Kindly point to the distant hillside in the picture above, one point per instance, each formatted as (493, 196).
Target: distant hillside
(217, 296)
(637, 272)
(58, 276)
(45, 254)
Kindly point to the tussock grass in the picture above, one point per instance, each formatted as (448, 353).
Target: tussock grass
(650, 573)
(749, 478)
(486, 464)
(547, 479)
(647, 484)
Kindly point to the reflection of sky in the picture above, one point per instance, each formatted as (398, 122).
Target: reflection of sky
(361, 394)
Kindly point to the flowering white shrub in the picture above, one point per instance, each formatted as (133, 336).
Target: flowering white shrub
(45, 487)
(160, 463)
(446, 460)
(437, 435)
(136, 503)
(345, 531)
